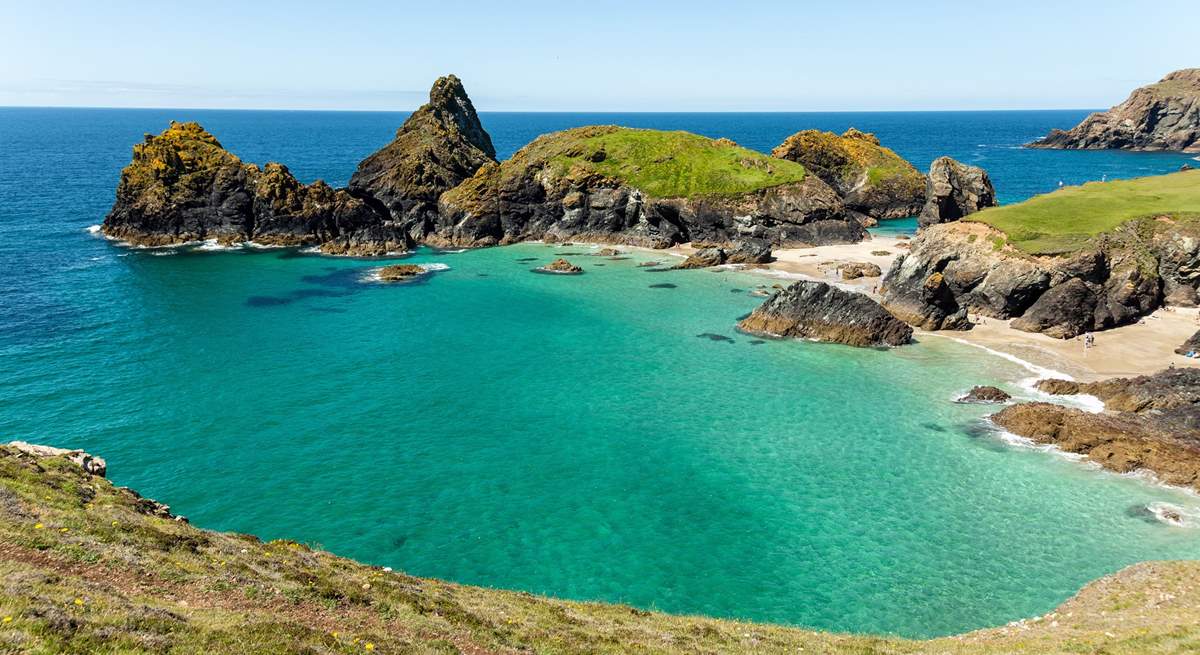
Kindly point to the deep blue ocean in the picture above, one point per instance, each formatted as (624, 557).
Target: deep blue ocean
(571, 436)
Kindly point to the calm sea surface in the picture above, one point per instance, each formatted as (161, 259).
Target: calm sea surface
(570, 436)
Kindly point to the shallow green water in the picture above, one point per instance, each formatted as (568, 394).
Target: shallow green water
(570, 436)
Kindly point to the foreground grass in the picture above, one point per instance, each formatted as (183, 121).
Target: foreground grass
(661, 164)
(90, 568)
(1063, 221)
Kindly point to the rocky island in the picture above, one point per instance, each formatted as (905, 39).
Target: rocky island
(1160, 116)
(438, 183)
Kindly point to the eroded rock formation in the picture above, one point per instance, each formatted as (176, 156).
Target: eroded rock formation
(1162, 116)
(953, 190)
(816, 310)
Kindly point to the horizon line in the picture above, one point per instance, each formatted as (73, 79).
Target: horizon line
(563, 111)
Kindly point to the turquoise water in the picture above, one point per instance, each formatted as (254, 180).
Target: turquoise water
(572, 436)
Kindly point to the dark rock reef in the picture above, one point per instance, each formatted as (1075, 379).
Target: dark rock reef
(1117, 278)
(953, 190)
(985, 394)
(560, 266)
(1162, 116)
(620, 185)
(400, 272)
(438, 146)
(816, 310)
(182, 186)
(873, 180)
(1152, 422)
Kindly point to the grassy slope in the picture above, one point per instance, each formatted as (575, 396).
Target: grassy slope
(851, 154)
(661, 164)
(1063, 221)
(84, 570)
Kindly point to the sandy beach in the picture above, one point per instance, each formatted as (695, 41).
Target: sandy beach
(1142, 348)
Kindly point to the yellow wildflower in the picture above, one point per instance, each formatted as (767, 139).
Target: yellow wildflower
(38, 526)
(78, 601)
(65, 530)
(334, 634)
(369, 646)
(8, 619)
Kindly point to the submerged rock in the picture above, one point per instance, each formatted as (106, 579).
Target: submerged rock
(985, 394)
(1162, 116)
(954, 190)
(816, 310)
(872, 180)
(561, 267)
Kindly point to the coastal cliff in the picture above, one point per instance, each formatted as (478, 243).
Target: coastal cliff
(953, 190)
(182, 186)
(1161, 116)
(1037, 263)
(91, 567)
(872, 180)
(642, 187)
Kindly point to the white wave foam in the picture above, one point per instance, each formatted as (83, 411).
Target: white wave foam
(93, 229)
(163, 253)
(212, 245)
(1085, 402)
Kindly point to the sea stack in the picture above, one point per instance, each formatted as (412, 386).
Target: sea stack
(954, 190)
(1161, 116)
(438, 146)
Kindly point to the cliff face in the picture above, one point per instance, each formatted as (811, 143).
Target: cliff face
(872, 180)
(438, 146)
(956, 268)
(642, 187)
(816, 310)
(1162, 116)
(954, 190)
(182, 186)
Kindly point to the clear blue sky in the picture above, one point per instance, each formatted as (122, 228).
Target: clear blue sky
(563, 55)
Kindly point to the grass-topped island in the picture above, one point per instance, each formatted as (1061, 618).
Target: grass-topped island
(644, 187)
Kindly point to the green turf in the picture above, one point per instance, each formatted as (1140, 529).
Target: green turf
(1063, 221)
(664, 164)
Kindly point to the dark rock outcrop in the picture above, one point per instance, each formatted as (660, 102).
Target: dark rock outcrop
(1122, 442)
(567, 186)
(872, 180)
(1170, 397)
(182, 186)
(816, 310)
(1114, 280)
(750, 251)
(985, 394)
(954, 190)
(1162, 116)
(438, 146)
(561, 267)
